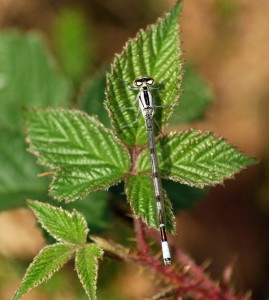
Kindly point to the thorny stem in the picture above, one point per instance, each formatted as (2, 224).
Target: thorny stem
(191, 281)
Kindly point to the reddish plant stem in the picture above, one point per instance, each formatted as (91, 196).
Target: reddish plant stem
(142, 245)
(200, 288)
(180, 283)
(135, 154)
(193, 282)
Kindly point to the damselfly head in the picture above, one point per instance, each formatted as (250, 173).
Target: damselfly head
(143, 81)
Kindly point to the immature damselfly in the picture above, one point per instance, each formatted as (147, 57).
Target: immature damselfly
(146, 105)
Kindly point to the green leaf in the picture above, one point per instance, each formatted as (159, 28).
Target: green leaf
(195, 99)
(87, 268)
(28, 77)
(18, 171)
(85, 155)
(155, 53)
(73, 42)
(140, 193)
(93, 96)
(49, 260)
(61, 224)
(196, 159)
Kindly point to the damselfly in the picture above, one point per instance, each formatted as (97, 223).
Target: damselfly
(146, 105)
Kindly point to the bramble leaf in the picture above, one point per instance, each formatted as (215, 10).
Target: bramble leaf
(85, 155)
(87, 268)
(140, 192)
(49, 260)
(196, 159)
(155, 52)
(61, 224)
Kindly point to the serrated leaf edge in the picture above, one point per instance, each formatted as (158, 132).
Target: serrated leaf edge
(76, 111)
(213, 183)
(43, 279)
(96, 269)
(58, 170)
(66, 212)
(81, 195)
(173, 231)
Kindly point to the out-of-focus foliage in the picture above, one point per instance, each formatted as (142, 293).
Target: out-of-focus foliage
(93, 97)
(28, 78)
(74, 44)
(18, 172)
(183, 197)
(195, 99)
(227, 9)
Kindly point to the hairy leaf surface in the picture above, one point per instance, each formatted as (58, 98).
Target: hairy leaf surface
(85, 155)
(154, 53)
(140, 193)
(61, 224)
(196, 158)
(49, 260)
(87, 268)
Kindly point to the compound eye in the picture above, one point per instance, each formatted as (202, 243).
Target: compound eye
(150, 81)
(138, 83)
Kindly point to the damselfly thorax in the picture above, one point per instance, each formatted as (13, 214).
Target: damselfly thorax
(144, 96)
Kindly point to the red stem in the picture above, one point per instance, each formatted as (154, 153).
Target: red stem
(142, 246)
(134, 170)
(191, 282)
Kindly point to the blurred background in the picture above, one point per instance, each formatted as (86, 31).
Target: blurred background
(55, 54)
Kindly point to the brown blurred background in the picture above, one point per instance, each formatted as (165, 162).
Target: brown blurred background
(228, 41)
